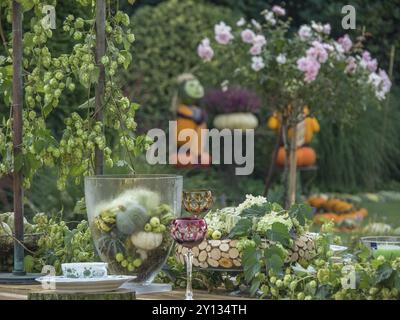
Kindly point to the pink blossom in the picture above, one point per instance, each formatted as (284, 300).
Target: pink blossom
(281, 58)
(368, 63)
(278, 10)
(205, 51)
(304, 32)
(259, 40)
(351, 65)
(318, 52)
(223, 33)
(269, 17)
(326, 28)
(345, 42)
(317, 26)
(381, 83)
(241, 22)
(386, 83)
(310, 66)
(256, 24)
(255, 50)
(248, 36)
(257, 63)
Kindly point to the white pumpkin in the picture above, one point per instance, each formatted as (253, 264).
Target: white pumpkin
(146, 240)
(236, 120)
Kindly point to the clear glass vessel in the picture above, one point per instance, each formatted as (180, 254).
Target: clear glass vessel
(129, 216)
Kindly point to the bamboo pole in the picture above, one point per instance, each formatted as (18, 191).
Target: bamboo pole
(99, 97)
(17, 104)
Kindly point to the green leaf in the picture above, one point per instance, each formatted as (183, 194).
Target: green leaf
(251, 262)
(89, 104)
(242, 228)
(131, 2)
(94, 75)
(26, 4)
(255, 284)
(279, 233)
(383, 273)
(396, 280)
(323, 292)
(363, 280)
(47, 109)
(128, 58)
(301, 212)
(257, 210)
(275, 259)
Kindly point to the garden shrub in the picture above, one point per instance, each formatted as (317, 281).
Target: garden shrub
(167, 36)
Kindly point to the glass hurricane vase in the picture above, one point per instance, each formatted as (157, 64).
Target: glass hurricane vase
(129, 217)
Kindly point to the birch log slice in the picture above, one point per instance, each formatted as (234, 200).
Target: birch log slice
(202, 256)
(203, 245)
(212, 262)
(224, 247)
(215, 254)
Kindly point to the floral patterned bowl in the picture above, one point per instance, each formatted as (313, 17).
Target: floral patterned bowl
(84, 270)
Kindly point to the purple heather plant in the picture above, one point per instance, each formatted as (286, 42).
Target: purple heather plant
(231, 100)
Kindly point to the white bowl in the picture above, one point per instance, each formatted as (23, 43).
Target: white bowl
(84, 269)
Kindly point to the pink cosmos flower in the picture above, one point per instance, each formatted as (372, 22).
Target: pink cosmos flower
(205, 51)
(248, 36)
(278, 10)
(304, 32)
(257, 63)
(310, 66)
(223, 33)
(345, 42)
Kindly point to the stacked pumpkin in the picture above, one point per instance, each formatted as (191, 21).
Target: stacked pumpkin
(344, 214)
(305, 155)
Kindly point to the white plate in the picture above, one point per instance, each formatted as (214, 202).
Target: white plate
(107, 283)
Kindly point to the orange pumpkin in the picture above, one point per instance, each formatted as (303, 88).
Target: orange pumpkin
(316, 202)
(305, 157)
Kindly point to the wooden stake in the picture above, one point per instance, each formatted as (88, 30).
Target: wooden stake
(17, 137)
(291, 183)
(99, 98)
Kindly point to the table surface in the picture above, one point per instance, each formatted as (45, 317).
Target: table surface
(20, 292)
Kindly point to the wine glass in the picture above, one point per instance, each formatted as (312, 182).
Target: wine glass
(191, 231)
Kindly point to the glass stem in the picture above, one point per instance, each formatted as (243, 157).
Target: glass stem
(189, 261)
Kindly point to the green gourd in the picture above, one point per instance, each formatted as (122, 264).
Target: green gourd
(131, 218)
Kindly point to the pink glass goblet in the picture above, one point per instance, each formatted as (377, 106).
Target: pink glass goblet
(189, 232)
